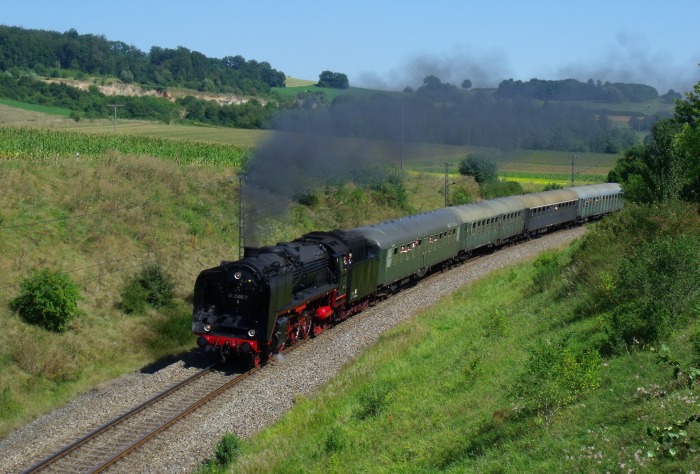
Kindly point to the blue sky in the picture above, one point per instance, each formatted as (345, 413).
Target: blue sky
(393, 44)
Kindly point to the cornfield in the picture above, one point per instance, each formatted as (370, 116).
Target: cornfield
(26, 143)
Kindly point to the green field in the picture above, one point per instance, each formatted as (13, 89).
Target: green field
(35, 108)
(524, 165)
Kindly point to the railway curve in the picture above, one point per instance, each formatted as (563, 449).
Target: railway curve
(257, 401)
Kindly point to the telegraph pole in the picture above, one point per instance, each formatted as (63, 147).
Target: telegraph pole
(240, 177)
(115, 113)
(447, 184)
(573, 157)
(240, 216)
(402, 137)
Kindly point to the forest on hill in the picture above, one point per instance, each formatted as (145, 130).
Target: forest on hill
(48, 53)
(542, 115)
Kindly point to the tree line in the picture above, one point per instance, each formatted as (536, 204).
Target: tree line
(572, 89)
(49, 53)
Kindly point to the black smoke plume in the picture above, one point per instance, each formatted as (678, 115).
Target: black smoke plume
(309, 154)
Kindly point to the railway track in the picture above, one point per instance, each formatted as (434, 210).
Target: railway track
(189, 441)
(115, 440)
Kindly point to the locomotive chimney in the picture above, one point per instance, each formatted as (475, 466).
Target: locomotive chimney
(251, 251)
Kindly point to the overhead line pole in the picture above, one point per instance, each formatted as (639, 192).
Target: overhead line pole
(115, 113)
(572, 168)
(447, 184)
(240, 177)
(402, 104)
(240, 216)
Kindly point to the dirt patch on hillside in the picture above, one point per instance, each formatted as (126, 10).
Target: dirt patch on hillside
(117, 88)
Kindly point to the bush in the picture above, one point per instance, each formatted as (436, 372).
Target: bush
(555, 376)
(373, 400)
(547, 270)
(152, 286)
(47, 299)
(133, 297)
(227, 449)
(482, 168)
(657, 289)
(9, 406)
(498, 188)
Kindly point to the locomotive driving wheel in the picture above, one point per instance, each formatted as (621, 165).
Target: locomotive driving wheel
(306, 326)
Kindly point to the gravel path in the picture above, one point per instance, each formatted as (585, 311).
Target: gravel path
(258, 401)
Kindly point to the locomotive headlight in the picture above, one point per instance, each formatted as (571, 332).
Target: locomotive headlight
(251, 332)
(207, 327)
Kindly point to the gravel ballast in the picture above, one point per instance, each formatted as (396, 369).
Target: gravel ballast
(258, 401)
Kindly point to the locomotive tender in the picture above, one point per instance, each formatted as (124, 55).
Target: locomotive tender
(252, 308)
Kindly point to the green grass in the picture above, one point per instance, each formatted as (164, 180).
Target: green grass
(440, 394)
(26, 143)
(296, 82)
(36, 108)
(329, 92)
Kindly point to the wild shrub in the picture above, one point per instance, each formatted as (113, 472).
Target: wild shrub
(133, 297)
(500, 188)
(334, 440)
(171, 330)
(555, 376)
(391, 189)
(680, 437)
(151, 286)
(460, 197)
(552, 187)
(47, 299)
(547, 270)
(657, 289)
(226, 451)
(596, 267)
(9, 405)
(372, 400)
(695, 347)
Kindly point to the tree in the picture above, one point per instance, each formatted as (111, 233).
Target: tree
(687, 112)
(667, 166)
(333, 80)
(480, 167)
(466, 84)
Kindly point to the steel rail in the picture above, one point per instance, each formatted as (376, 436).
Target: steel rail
(43, 464)
(144, 439)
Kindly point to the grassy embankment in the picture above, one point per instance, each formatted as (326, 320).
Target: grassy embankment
(520, 373)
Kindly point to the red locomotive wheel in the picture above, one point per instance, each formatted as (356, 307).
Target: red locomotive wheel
(307, 326)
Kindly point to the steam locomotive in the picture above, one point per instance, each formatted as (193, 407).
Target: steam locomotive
(250, 309)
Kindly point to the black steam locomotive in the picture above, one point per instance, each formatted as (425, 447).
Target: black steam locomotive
(249, 309)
